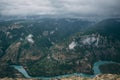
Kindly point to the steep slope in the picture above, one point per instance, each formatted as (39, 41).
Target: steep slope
(28, 41)
(60, 49)
(109, 27)
(80, 51)
(42, 33)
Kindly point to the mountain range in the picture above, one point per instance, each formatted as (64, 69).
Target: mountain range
(51, 47)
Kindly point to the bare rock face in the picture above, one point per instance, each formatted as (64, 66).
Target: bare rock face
(107, 77)
(98, 77)
(67, 50)
(17, 79)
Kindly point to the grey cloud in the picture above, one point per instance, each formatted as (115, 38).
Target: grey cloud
(60, 7)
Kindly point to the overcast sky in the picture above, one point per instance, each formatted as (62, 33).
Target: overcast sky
(79, 8)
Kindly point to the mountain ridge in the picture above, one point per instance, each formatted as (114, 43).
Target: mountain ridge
(41, 48)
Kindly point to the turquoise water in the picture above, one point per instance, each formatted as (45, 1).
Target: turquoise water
(95, 69)
(97, 64)
(21, 70)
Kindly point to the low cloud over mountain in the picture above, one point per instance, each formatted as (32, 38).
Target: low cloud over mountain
(81, 8)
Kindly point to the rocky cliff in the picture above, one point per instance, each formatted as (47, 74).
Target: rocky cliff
(98, 77)
(51, 47)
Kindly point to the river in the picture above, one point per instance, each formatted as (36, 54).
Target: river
(95, 69)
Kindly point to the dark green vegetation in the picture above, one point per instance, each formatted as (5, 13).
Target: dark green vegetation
(8, 71)
(49, 47)
(109, 27)
(44, 31)
(110, 68)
